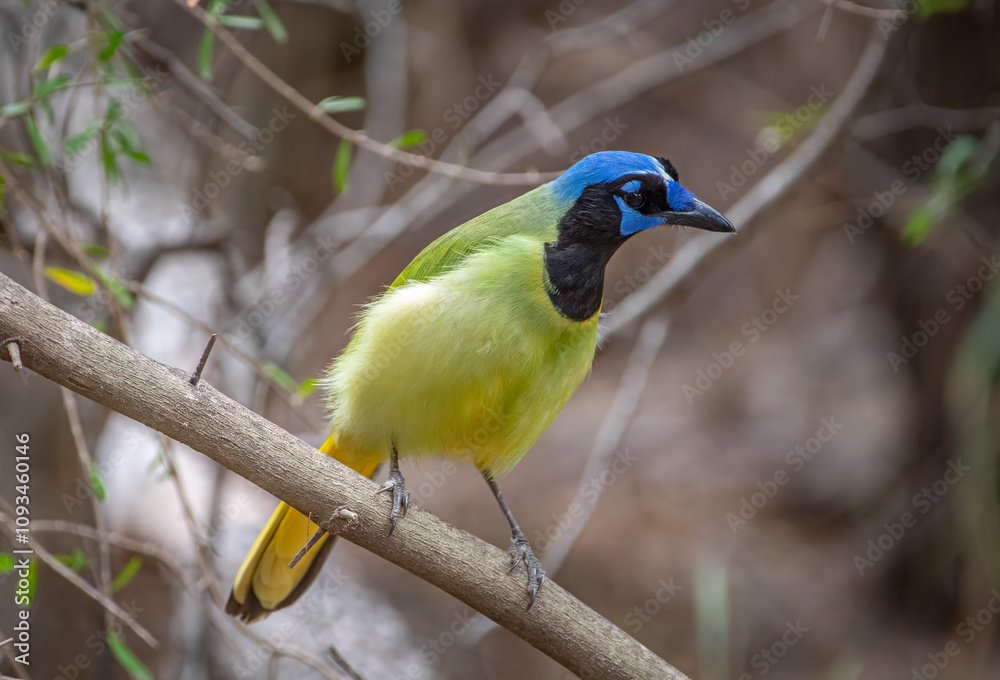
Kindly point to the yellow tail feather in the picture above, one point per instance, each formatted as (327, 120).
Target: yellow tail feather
(264, 582)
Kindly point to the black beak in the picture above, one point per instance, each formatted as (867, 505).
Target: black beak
(701, 216)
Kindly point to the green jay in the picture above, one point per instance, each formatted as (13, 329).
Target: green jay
(475, 348)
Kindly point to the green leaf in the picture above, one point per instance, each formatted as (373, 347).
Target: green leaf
(18, 158)
(341, 166)
(95, 482)
(271, 20)
(41, 147)
(116, 287)
(114, 40)
(100, 326)
(46, 87)
(73, 145)
(55, 53)
(126, 574)
(215, 7)
(15, 109)
(926, 8)
(205, 55)
(32, 581)
(96, 250)
(110, 162)
(307, 387)
(340, 104)
(278, 375)
(236, 21)
(77, 560)
(6, 563)
(73, 281)
(409, 139)
(127, 658)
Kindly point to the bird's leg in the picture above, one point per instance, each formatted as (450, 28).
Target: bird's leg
(520, 550)
(397, 485)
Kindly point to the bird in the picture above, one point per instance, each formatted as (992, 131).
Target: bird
(474, 349)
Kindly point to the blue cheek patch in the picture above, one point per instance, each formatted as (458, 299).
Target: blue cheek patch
(679, 198)
(634, 185)
(634, 222)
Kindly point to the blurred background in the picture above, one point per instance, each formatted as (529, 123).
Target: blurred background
(784, 462)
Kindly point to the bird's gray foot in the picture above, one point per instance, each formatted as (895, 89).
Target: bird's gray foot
(520, 551)
(400, 497)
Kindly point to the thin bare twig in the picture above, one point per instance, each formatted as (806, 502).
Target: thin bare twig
(763, 194)
(7, 522)
(15, 354)
(299, 101)
(196, 376)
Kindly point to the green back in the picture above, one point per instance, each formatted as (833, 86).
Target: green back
(536, 213)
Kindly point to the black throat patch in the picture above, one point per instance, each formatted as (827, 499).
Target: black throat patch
(589, 234)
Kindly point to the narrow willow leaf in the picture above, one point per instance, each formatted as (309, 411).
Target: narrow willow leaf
(236, 21)
(340, 104)
(114, 41)
(116, 287)
(95, 482)
(73, 281)
(41, 147)
(127, 658)
(32, 581)
(96, 250)
(6, 563)
(341, 166)
(126, 574)
(205, 55)
(15, 109)
(409, 139)
(46, 87)
(55, 53)
(18, 158)
(271, 20)
(77, 560)
(307, 387)
(278, 375)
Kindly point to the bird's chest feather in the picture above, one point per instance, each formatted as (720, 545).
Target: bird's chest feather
(475, 363)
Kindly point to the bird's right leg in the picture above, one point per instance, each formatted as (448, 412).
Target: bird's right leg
(397, 485)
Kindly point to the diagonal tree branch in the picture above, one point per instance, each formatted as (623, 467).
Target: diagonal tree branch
(73, 354)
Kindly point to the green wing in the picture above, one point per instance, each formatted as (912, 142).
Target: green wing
(535, 213)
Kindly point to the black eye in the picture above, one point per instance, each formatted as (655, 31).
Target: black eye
(635, 200)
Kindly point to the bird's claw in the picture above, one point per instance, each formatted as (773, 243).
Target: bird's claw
(520, 551)
(400, 497)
